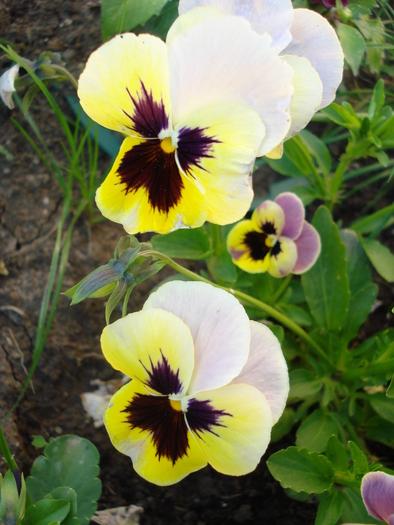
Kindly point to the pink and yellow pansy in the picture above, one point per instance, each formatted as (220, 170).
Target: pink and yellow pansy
(305, 41)
(276, 239)
(196, 111)
(207, 384)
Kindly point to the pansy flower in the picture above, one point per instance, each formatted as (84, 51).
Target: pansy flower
(304, 39)
(196, 111)
(7, 87)
(377, 490)
(207, 384)
(276, 239)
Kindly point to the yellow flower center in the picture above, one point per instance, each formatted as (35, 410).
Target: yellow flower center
(271, 240)
(176, 405)
(166, 145)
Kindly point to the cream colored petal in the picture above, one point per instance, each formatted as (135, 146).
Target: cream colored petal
(282, 263)
(191, 18)
(118, 72)
(223, 60)
(315, 39)
(265, 16)
(308, 92)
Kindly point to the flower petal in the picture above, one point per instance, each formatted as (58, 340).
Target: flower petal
(211, 63)
(125, 85)
(145, 190)
(377, 489)
(315, 39)
(308, 92)
(237, 439)
(248, 247)
(219, 327)
(282, 258)
(266, 369)
(139, 444)
(152, 346)
(7, 87)
(224, 172)
(265, 16)
(269, 217)
(294, 213)
(308, 248)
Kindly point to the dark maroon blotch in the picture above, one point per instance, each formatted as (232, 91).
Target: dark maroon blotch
(162, 378)
(202, 417)
(255, 241)
(268, 228)
(276, 249)
(193, 145)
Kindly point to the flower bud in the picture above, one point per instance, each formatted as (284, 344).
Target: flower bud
(12, 498)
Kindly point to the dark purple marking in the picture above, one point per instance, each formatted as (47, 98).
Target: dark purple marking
(149, 117)
(18, 480)
(162, 378)
(268, 228)
(202, 417)
(194, 145)
(276, 249)
(257, 247)
(166, 425)
(147, 166)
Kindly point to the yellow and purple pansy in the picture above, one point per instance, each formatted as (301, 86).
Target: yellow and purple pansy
(377, 490)
(207, 384)
(276, 239)
(196, 111)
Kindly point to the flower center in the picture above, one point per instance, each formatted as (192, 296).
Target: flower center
(166, 145)
(176, 405)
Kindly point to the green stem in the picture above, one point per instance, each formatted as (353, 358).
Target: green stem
(67, 74)
(6, 452)
(337, 179)
(285, 321)
(281, 290)
(384, 368)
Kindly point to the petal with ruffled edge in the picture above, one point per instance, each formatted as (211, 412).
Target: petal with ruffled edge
(308, 248)
(223, 172)
(266, 369)
(282, 258)
(211, 63)
(219, 327)
(269, 217)
(125, 85)
(377, 489)
(265, 16)
(294, 213)
(234, 440)
(315, 39)
(248, 247)
(308, 92)
(157, 440)
(152, 346)
(146, 191)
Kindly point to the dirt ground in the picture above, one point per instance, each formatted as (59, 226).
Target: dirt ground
(30, 203)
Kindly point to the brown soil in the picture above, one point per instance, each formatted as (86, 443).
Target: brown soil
(30, 205)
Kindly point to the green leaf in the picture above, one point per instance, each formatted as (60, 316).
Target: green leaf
(390, 390)
(315, 431)
(191, 244)
(160, 24)
(377, 99)
(68, 494)
(296, 160)
(383, 405)
(336, 453)
(330, 509)
(374, 222)
(46, 512)
(360, 462)
(69, 461)
(353, 45)
(341, 116)
(118, 16)
(353, 510)
(296, 314)
(360, 306)
(39, 442)
(358, 267)
(326, 284)
(318, 150)
(283, 426)
(300, 470)
(303, 383)
(381, 258)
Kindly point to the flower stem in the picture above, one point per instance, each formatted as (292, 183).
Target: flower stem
(281, 290)
(281, 318)
(6, 452)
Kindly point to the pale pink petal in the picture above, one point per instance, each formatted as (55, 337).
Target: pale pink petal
(219, 327)
(223, 60)
(315, 39)
(377, 489)
(308, 248)
(266, 369)
(294, 212)
(265, 16)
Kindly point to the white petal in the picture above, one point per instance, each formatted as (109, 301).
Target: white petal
(265, 16)
(7, 80)
(223, 60)
(266, 369)
(219, 327)
(315, 39)
(308, 92)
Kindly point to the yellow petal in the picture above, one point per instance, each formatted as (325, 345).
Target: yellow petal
(139, 444)
(234, 441)
(123, 78)
(248, 248)
(152, 346)
(269, 218)
(281, 264)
